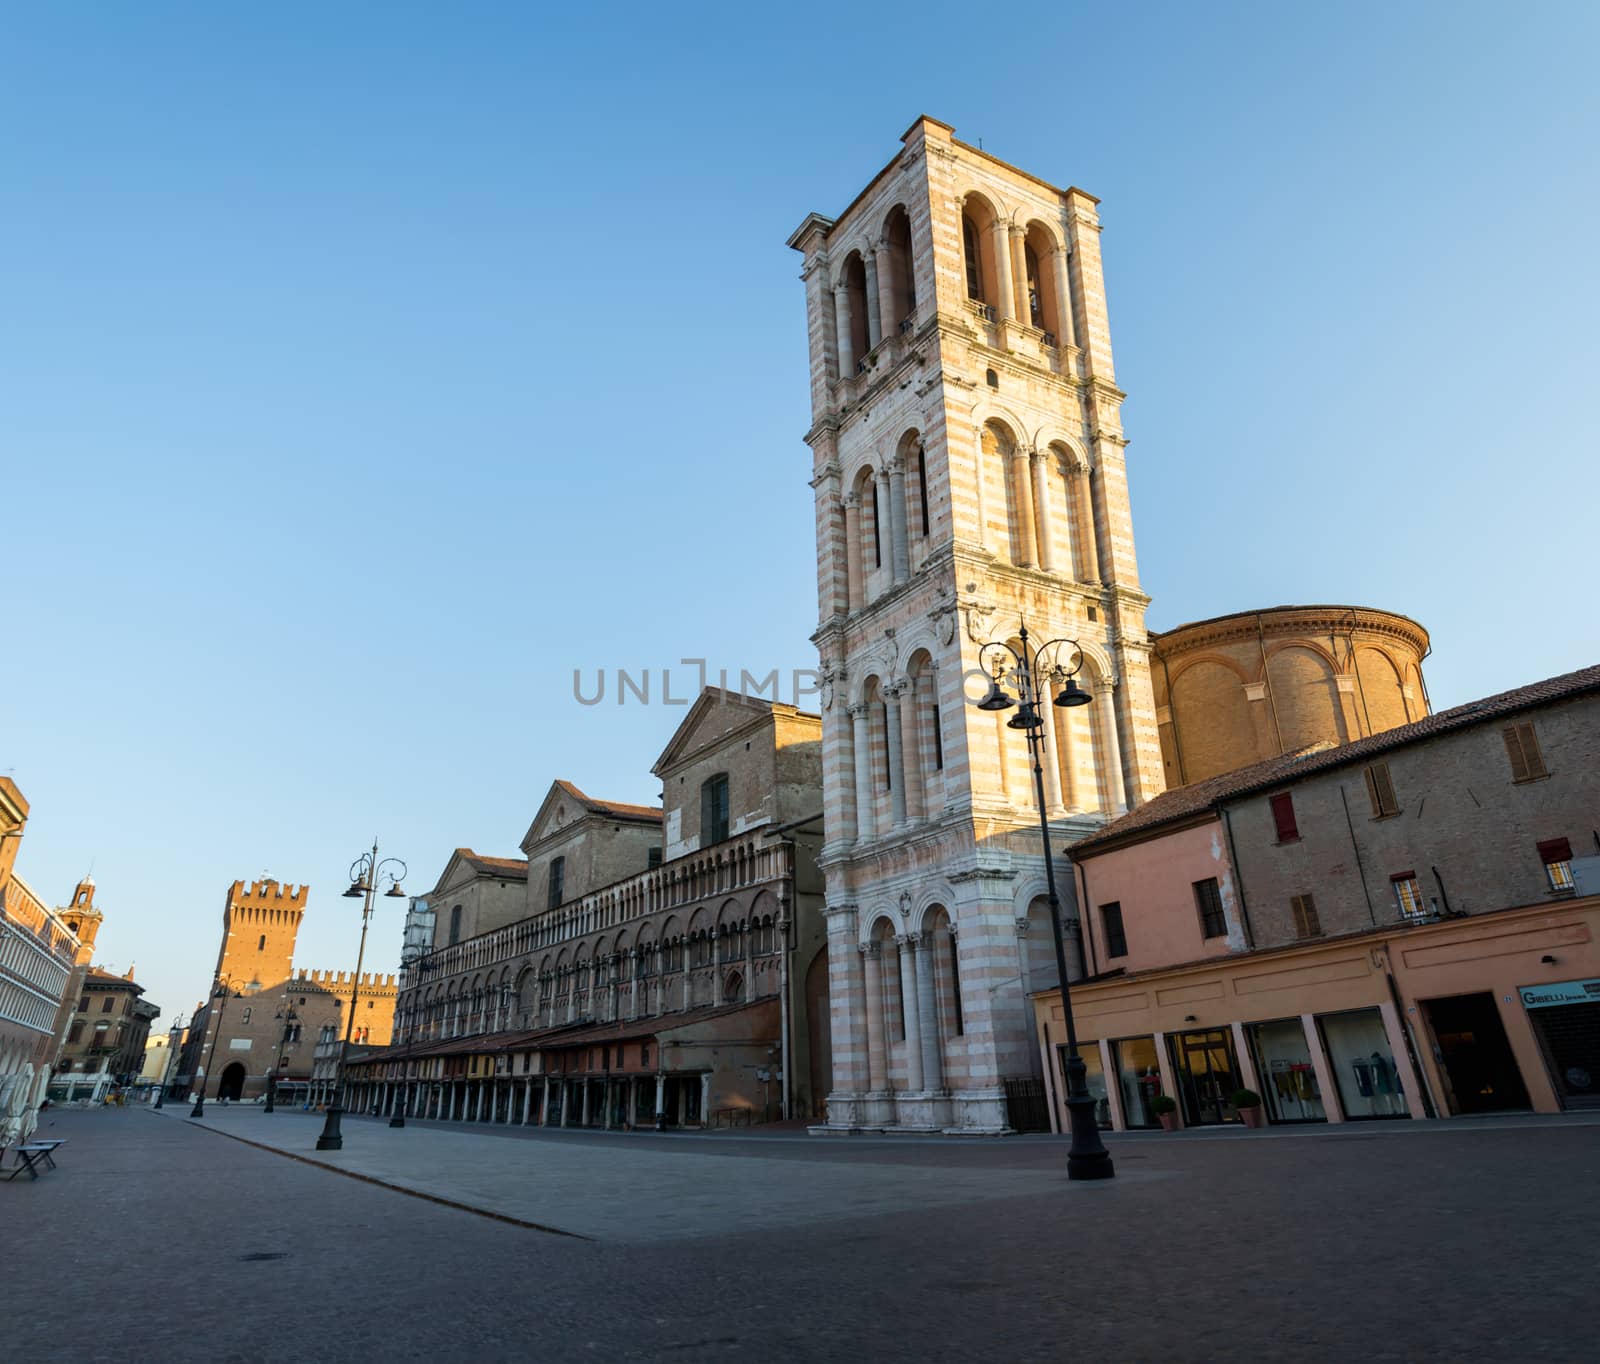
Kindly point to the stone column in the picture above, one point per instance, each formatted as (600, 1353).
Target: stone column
(874, 315)
(911, 1011)
(527, 1100)
(1112, 757)
(927, 1015)
(633, 983)
(897, 766)
(661, 1097)
(1044, 517)
(1050, 766)
(855, 593)
(886, 283)
(1067, 335)
(899, 548)
(1000, 237)
(911, 752)
(705, 1100)
(1090, 549)
(861, 742)
(566, 1103)
(872, 970)
(1019, 275)
(1069, 756)
(841, 317)
(1022, 491)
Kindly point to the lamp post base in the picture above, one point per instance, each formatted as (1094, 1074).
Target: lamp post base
(1088, 1158)
(267, 1107)
(199, 1109)
(332, 1139)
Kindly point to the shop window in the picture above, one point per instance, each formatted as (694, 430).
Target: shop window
(1363, 1064)
(1208, 901)
(1556, 854)
(1138, 1078)
(1408, 895)
(1094, 1079)
(1111, 928)
(1288, 1077)
(1283, 817)
(1306, 922)
(1522, 747)
(1380, 791)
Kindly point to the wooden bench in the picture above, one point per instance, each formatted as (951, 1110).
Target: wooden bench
(34, 1155)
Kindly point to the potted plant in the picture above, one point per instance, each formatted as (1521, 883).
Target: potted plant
(1247, 1103)
(1165, 1107)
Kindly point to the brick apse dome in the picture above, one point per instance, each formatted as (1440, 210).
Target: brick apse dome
(1235, 689)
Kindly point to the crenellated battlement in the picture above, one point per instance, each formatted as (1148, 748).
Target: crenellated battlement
(268, 893)
(336, 981)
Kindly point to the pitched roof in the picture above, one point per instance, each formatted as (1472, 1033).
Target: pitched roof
(514, 867)
(611, 808)
(1189, 802)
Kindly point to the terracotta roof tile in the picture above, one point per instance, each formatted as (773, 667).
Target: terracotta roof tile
(1188, 802)
(611, 807)
(515, 867)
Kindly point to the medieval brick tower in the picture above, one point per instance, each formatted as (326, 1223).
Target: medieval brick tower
(260, 922)
(969, 478)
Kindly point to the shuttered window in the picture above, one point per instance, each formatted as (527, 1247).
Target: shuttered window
(1306, 922)
(1522, 747)
(1283, 817)
(1111, 922)
(1208, 901)
(1380, 791)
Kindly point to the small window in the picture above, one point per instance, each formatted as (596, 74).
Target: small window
(77, 1031)
(922, 490)
(938, 740)
(1380, 791)
(644, 1053)
(1208, 900)
(246, 1017)
(1556, 854)
(455, 927)
(1283, 817)
(261, 945)
(1111, 923)
(1408, 895)
(106, 1003)
(969, 249)
(1522, 747)
(714, 810)
(1306, 922)
(83, 1005)
(992, 379)
(556, 888)
(652, 859)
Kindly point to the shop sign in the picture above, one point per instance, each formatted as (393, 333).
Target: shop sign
(1563, 992)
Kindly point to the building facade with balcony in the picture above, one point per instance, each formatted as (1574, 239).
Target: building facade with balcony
(1407, 926)
(106, 1038)
(696, 986)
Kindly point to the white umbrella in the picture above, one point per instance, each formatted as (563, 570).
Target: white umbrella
(16, 1105)
(30, 1114)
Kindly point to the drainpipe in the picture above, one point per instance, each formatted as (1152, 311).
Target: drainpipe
(1177, 738)
(1085, 921)
(1355, 665)
(1360, 868)
(1443, 895)
(1238, 879)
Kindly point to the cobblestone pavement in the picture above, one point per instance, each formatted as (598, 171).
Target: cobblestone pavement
(158, 1239)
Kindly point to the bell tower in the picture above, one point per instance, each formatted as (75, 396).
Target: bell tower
(83, 918)
(968, 466)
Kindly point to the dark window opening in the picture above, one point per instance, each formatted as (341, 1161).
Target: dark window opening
(922, 490)
(969, 246)
(455, 927)
(1111, 927)
(556, 889)
(1307, 924)
(1208, 900)
(1283, 817)
(714, 810)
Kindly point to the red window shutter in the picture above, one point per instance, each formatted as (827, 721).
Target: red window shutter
(1555, 850)
(1404, 876)
(1283, 817)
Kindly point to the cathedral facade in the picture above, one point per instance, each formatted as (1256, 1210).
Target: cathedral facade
(968, 466)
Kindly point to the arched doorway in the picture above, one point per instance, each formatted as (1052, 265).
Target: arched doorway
(232, 1083)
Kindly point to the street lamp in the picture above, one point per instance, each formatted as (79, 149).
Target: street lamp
(1036, 674)
(289, 1018)
(220, 992)
(172, 1057)
(366, 873)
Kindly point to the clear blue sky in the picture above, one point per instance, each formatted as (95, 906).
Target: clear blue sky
(367, 368)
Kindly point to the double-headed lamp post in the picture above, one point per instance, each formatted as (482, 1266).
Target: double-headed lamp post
(289, 1018)
(1036, 673)
(220, 993)
(366, 874)
(173, 1034)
